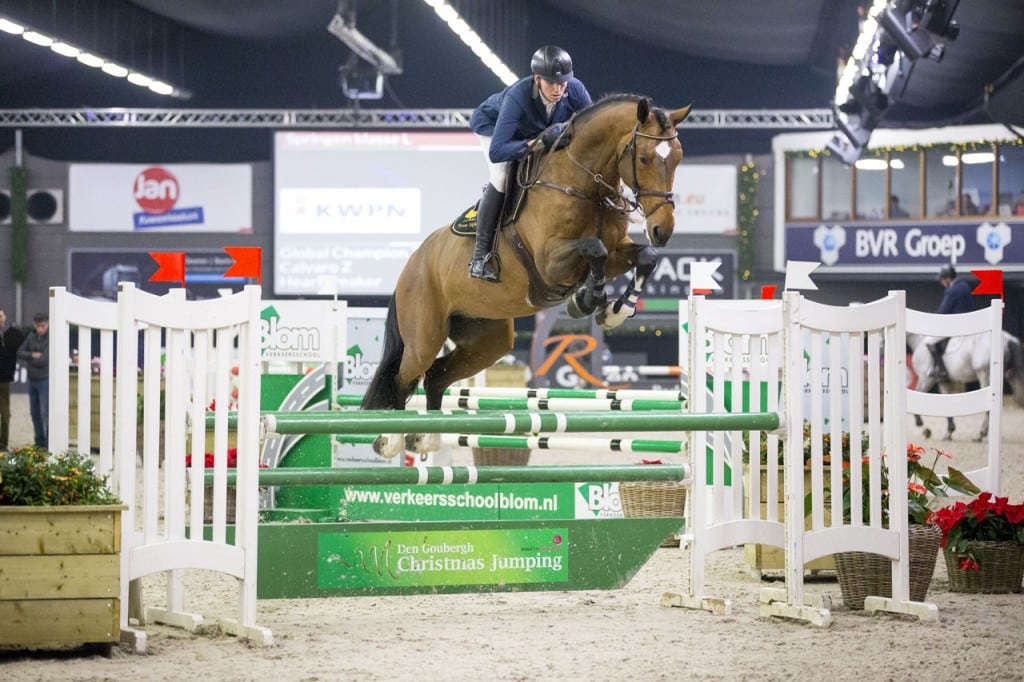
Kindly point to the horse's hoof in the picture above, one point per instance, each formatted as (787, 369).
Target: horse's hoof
(573, 309)
(388, 445)
(609, 317)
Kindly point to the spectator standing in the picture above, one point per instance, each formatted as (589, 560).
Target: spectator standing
(10, 341)
(34, 355)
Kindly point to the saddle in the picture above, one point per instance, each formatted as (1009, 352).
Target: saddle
(515, 196)
(540, 293)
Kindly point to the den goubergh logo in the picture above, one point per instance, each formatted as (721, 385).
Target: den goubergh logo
(155, 190)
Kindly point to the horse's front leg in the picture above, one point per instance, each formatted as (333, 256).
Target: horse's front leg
(645, 258)
(591, 295)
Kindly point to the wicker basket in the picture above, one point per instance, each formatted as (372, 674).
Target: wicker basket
(642, 499)
(1002, 568)
(862, 574)
(501, 456)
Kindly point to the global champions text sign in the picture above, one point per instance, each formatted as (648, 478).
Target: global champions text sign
(882, 247)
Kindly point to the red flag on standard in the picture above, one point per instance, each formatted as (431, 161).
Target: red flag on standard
(170, 266)
(989, 282)
(768, 292)
(248, 262)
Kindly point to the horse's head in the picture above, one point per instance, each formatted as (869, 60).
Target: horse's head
(647, 164)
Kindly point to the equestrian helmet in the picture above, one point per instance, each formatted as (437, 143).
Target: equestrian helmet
(552, 64)
(947, 272)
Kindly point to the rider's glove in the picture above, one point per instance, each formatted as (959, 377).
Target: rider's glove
(550, 139)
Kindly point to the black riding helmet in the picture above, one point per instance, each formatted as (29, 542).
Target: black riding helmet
(552, 64)
(947, 272)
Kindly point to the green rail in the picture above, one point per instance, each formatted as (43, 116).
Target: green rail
(393, 421)
(464, 475)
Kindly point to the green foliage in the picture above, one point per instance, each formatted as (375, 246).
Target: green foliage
(32, 476)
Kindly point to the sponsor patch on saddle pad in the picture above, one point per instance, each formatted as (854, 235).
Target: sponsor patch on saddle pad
(465, 224)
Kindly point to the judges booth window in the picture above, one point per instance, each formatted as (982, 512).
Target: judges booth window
(836, 192)
(941, 185)
(870, 179)
(905, 184)
(803, 187)
(976, 171)
(1011, 180)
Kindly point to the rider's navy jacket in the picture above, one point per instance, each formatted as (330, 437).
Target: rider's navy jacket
(515, 115)
(957, 298)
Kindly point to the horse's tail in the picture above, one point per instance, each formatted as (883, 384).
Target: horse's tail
(382, 393)
(1015, 367)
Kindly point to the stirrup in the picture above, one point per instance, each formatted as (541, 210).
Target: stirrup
(485, 268)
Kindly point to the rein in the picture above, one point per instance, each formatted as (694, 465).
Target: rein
(612, 198)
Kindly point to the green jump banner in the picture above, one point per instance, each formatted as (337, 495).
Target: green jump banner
(424, 557)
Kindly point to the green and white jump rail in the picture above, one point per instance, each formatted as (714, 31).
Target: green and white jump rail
(464, 475)
(512, 422)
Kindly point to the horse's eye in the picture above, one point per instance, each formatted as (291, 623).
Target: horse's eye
(644, 161)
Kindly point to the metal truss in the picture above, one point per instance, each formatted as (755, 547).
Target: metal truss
(359, 118)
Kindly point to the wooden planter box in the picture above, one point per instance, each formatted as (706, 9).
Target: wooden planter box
(766, 558)
(60, 575)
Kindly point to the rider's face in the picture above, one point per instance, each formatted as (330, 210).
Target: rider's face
(552, 91)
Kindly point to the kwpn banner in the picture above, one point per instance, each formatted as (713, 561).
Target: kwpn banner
(160, 198)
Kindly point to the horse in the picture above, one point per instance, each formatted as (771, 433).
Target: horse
(566, 238)
(966, 359)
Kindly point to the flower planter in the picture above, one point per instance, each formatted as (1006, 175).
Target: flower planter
(60, 575)
(765, 557)
(862, 574)
(1002, 568)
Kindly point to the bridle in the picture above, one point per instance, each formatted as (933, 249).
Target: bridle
(614, 198)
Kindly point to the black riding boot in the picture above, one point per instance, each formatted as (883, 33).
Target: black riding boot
(484, 264)
(938, 371)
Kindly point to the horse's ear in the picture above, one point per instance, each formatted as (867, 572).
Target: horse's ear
(643, 110)
(679, 115)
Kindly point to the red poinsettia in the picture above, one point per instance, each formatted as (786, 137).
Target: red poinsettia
(208, 459)
(983, 518)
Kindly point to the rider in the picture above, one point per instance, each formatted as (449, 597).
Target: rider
(957, 299)
(506, 122)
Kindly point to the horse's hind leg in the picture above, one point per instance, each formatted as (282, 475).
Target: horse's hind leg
(478, 343)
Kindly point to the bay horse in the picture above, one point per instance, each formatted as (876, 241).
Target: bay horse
(966, 359)
(568, 236)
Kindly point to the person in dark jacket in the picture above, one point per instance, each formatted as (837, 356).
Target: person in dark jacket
(10, 340)
(34, 356)
(526, 115)
(956, 299)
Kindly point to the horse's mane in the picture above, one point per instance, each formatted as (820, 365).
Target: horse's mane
(616, 98)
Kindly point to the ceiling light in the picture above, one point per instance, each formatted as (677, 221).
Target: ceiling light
(140, 79)
(9, 26)
(67, 49)
(37, 38)
(949, 161)
(472, 39)
(977, 157)
(90, 59)
(897, 164)
(115, 70)
(871, 164)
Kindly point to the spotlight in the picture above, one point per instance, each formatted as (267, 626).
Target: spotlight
(904, 31)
